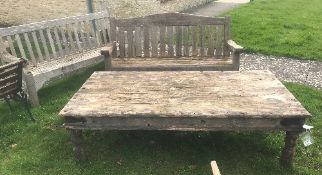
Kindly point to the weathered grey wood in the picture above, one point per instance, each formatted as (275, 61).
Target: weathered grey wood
(39, 53)
(75, 27)
(219, 41)
(21, 49)
(186, 42)
(51, 42)
(11, 45)
(87, 35)
(71, 41)
(130, 39)
(98, 37)
(50, 24)
(63, 33)
(29, 47)
(138, 41)
(226, 35)
(202, 40)
(83, 39)
(113, 101)
(121, 37)
(194, 41)
(178, 41)
(154, 40)
(58, 42)
(162, 41)
(44, 44)
(211, 39)
(170, 41)
(262, 96)
(31, 88)
(146, 40)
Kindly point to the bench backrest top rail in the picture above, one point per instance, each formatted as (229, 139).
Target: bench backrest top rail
(50, 23)
(171, 34)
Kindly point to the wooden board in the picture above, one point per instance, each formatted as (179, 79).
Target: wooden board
(225, 95)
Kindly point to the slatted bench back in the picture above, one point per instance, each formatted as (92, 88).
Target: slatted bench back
(10, 78)
(57, 38)
(171, 35)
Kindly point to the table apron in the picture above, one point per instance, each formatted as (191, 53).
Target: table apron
(183, 123)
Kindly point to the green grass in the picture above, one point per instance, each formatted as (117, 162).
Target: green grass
(291, 28)
(45, 148)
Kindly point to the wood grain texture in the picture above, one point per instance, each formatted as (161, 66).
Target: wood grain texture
(250, 94)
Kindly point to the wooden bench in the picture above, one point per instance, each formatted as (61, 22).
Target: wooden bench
(55, 48)
(11, 84)
(172, 41)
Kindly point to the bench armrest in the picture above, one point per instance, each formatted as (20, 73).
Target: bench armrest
(8, 58)
(109, 49)
(234, 47)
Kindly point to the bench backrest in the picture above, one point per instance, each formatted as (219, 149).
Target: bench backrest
(171, 34)
(10, 78)
(57, 38)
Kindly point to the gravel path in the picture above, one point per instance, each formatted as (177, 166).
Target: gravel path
(286, 69)
(216, 8)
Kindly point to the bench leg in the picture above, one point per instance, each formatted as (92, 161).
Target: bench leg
(289, 148)
(107, 61)
(32, 91)
(76, 138)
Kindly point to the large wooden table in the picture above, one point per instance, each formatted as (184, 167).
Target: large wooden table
(185, 101)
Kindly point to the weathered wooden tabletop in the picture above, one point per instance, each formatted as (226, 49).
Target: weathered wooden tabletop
(250, 94)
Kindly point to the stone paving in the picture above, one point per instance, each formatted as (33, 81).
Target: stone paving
(286, 69)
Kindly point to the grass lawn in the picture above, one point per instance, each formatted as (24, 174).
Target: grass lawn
(291, 28)
(45, 148)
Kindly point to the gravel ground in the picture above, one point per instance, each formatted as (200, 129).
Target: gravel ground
(286, 69)
(15, 12)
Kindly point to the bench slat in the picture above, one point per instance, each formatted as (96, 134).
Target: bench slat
(211, 39)
(20, 46)
(170, 41)
(8, 72)
(186, 43)
(130, 39)
(90, 34)
(146, 40)
(11, 45)
(76, 35)
(97, 33)
(9, 87)
(30, 50)
(154, 40)
(219, 41)
(226, 35)
(64, 39)
(121, 37)
(36, 42)
(162, 41)
(194, 40)
(138, 41)
(82, 36)
(58, 42)
(202, 40)
(44, 44)
(51, 42)
(178, 40)
(11, 79)
(70, 38)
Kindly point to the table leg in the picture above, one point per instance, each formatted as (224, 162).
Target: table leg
(289, 148)
(76, 138)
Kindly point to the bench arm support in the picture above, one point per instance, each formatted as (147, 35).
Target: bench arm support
(236, 50)
(107, 52)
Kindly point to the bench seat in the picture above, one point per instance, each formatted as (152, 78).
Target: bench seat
(47, 71)
(172, 64)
